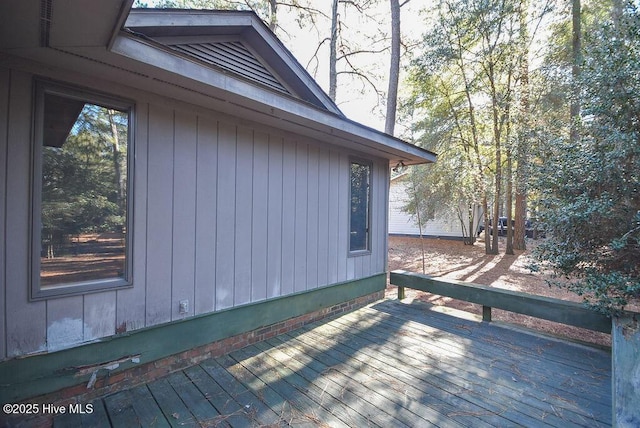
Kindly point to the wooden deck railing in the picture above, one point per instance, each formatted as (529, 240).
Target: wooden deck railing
(625, 332)
(561, 311)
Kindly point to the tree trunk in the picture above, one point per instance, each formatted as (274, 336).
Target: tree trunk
(117, 167)
(509, 202)
(333, 51)
(417, 202)
(273, 20)
(496, 203)
(522, 144)
(576, 46)
(487, 235)
(394, 69)
(497, 141)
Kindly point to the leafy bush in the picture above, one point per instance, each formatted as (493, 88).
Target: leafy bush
(590, 192)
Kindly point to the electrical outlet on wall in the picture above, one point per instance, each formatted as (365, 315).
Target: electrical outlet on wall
(184, 307)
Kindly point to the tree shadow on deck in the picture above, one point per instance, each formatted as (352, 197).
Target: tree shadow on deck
(558, 382)
(317, 375)
(387, 364)
(392, 364)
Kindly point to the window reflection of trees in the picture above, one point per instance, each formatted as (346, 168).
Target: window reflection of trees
(83, 206)
(360, 176)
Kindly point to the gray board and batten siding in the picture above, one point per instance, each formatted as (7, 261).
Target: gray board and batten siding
(226, 212)
(235, 210)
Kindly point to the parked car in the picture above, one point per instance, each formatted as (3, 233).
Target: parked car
(502, 226)
(531, 230)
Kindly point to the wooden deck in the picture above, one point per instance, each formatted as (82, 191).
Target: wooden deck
(390, 364)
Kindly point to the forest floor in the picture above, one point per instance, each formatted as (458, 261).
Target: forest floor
(454, 260)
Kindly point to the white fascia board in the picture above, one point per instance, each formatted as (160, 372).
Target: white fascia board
(193, 75)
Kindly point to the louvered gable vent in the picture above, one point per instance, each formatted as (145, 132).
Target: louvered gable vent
(236, 43)
(231, 56)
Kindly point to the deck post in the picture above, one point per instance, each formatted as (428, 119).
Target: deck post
(486, 313)
(401, 294)
(625, 340)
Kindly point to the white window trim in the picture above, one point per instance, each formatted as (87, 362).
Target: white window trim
(43, 87)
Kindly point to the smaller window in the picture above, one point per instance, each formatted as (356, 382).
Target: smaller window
(360, 199)
(82, 152)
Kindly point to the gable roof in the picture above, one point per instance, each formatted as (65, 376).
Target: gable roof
(224, 60)
(230, 41)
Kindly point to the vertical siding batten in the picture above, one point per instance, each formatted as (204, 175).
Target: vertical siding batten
(350, 265)
(194, 226)
(334, 217)
(184, 213)
(379, 265)
(26, 321)
(363, 262)
(131, 302)
(99, 315)
(5, 83)
(357, 266)
(275, 232)
(289, 186)
(244, 213)
(377, 225)
(312, 217)
(385, 220)
(206, 215)
(225, 218)
(65, 322)
(300, 245)
(159, 215)
(323, 217)
(343, 217)
(367, 261)
(259, 224)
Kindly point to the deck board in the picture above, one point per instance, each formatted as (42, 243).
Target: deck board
(120, 410)
(247, 405)
(578, 375)
(386, 393)
(532, 376)
(174, 410)
(387, 364)
(286, 383)
(226, 399)
(434, 391)
(482, 379)
(194, 399)
(326, 395)
(258, 393)
(146, 407)
(335, 385)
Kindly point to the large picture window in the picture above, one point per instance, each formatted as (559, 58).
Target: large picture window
(360, 198)
(82, 152)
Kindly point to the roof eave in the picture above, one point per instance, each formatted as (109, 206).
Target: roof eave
(164, 22)
(268, 106)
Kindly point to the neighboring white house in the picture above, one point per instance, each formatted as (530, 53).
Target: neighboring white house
(170, 178)
(446, 224)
